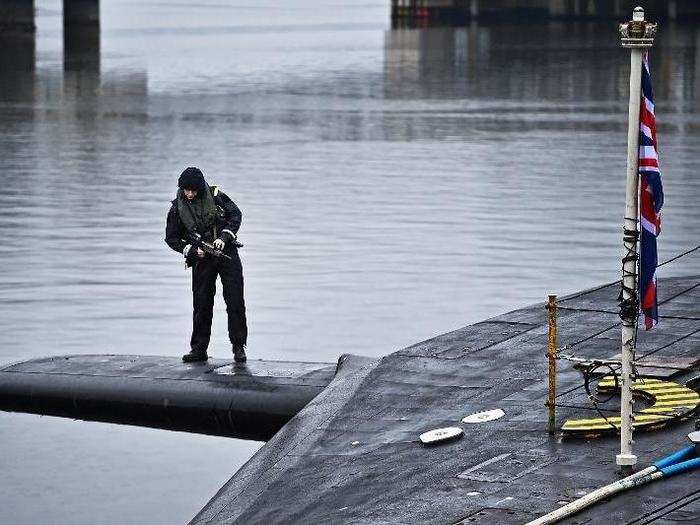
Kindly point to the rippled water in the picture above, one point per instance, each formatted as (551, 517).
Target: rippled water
(395, 185)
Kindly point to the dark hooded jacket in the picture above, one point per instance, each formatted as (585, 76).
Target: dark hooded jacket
(225, 227)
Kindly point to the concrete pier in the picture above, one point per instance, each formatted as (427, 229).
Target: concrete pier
(17, 50)
(17, 54)
(81, 34)
(81, 29)
(17, 68)
(17, 17)
(421, 13)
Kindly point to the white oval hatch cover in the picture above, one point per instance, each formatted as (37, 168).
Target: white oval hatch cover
(483, 417)
(439, 435)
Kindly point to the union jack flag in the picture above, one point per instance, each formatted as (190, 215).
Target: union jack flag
(651, 198)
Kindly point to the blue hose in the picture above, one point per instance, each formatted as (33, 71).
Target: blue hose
(683, 466)
(675, 457)
(663, 468)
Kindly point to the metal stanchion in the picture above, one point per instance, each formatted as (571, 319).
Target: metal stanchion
(552, 356)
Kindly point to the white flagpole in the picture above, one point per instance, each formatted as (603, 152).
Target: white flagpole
(637, 36)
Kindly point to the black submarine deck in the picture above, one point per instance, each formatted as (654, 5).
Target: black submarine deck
(248, 401)
(343, 440)
(353, 456)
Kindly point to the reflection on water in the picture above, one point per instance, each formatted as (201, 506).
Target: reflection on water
(395, 184)
(552, 63)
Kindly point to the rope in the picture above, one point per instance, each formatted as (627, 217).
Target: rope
(666, 509)
(628, 299)
(598, 311)
(580, 341)
(596, 334)
(587, 374)
(629, 309)
(612, 283)
(679, 256)
(652, 352)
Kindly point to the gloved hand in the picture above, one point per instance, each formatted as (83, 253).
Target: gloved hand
(219, 244)
(190, 254)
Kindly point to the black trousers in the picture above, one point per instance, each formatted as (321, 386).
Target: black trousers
(204, 273)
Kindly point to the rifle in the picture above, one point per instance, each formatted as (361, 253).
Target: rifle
(196, 241)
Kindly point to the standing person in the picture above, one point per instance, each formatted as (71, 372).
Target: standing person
(207, 211)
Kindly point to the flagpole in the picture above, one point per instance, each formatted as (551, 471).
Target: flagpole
(637, 36)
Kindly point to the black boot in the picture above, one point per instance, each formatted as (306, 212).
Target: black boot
(239, 354)
(194, 357)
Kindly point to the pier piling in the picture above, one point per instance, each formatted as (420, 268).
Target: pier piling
(81, 34)
(474, 8)
(672, 10)
(17, 17)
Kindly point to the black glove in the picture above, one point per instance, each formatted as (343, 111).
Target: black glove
(190, 253)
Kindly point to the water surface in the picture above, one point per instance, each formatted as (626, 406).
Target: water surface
(395, 184)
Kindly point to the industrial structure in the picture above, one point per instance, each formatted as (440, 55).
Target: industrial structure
(81, 29)
(456, 12)
(82, 16)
